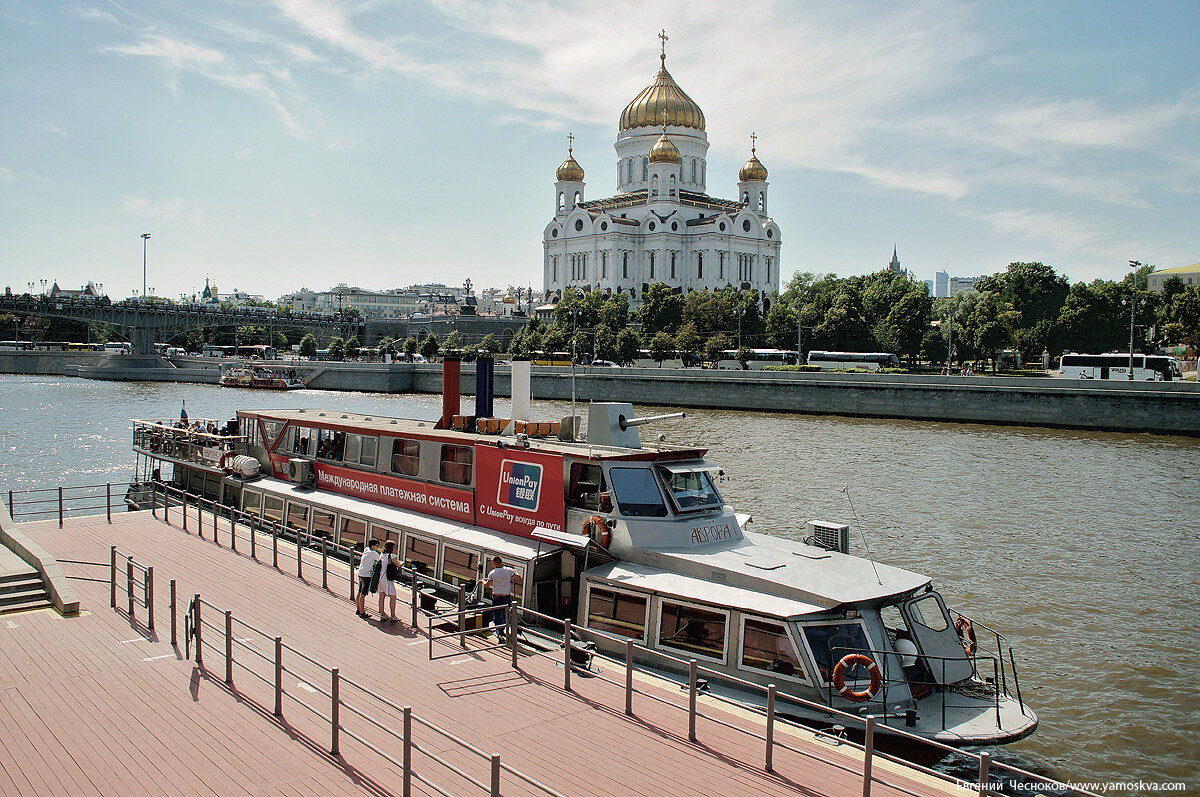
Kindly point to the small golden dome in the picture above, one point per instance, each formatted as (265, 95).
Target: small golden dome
(664, 151)
(753, 170)
(662, 96)
(570, 171)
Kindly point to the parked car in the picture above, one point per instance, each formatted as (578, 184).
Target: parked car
(604, 364)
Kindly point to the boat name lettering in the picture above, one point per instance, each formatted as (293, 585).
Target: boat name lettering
(388, 491)
(717, 531)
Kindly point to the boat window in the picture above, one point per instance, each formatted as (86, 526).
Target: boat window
(323, 523)
(459, 566)
(927, 611)
(271, 428)
(330, 445)
(367, 455)
(830, 643)
(456, 464)
(353, 444)
(384, 533)
(692, 629)
(273, 508)
(691, 489)
(767, 646)
(406, 457)
(297, 516)
(587, 483)
(637, 493)
(420, 554)
(617, 613)
(251, 502)
(300, 438)
(353, 533)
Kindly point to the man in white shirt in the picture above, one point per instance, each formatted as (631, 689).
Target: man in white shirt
(366, 569)
(502, 579)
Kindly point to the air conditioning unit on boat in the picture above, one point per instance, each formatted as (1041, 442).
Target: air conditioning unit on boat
(830, 536)
(300, 471)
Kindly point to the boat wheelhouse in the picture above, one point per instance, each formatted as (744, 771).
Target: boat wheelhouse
(632, 542)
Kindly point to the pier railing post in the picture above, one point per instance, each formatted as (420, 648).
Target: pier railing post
(278, 676)
(129, 585)
(567, 655)
(407, 752)
(414, 601)
(148, 591)
(60, 508)
(692, 699)
(868, 754)
(324, 564)
(299, 558)
(183, 500)
(229, 647)
(174, 618)
(495, 792)
(770, 763)
(352, 579)
(196, 626)
(512, 634)
(107, 500)
(985, 765)
(462, 618)
(274, 547)
(335, 703)
(629, 677)
(112, 575)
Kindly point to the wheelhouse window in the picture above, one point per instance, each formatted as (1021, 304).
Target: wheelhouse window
(406, 457)
(692, 630)
(353, 533)
(271, 428)
(619, 613)
(637, 492)
(459, 566)
(301, 435)
(420, 554)
(767, 646)
(330, 445)
(690, 490)
(360, 450)
(587, 485)
(832, 642)
(456, 464)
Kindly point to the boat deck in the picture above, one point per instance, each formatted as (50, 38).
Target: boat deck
(96, 704)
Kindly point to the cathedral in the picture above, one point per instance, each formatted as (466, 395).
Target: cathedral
(661, 225)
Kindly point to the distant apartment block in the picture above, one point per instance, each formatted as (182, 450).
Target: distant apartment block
(1188, 275)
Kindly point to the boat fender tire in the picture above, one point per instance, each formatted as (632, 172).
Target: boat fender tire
(966, 635)
(839, 677)
(597, 529)
(227, 461)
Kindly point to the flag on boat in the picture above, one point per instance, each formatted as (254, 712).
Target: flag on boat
(183, 414)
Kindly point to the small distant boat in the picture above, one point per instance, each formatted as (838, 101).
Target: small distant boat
(263, 377)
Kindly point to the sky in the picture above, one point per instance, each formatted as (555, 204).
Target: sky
(277, 144)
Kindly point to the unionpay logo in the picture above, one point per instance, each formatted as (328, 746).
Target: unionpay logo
(520, 485)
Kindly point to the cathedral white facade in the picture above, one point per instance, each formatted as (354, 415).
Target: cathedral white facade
(661, 225)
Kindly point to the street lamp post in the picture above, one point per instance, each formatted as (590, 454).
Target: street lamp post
(145, 237)
(1135, 265)
(950, 343)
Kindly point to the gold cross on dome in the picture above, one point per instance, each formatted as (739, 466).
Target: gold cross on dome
(570, 143)
(662, 35)
(753, 142)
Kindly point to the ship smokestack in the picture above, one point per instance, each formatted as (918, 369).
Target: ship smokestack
(451, 390)
(522, 392)
(485, 389)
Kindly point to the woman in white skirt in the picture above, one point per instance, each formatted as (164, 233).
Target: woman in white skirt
(387, 587)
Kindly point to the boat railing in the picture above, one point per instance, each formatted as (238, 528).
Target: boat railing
(577, 651)
(66, 501)
(165, 438)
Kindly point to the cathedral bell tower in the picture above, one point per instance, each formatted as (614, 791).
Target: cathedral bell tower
(752, 181)
(664, 170)
(568, 190)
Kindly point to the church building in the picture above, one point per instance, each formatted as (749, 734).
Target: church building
(661, 225)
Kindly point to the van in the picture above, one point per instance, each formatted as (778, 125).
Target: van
(118, 347)
(175, 351)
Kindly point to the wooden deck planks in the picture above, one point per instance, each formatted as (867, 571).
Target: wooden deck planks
(579, 742)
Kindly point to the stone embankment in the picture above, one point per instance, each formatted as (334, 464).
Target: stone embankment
(1163, 407)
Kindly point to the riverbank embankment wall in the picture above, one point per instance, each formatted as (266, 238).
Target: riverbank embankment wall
(1164, 407)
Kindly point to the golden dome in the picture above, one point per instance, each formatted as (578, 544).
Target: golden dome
(753, 170)
(663, 96)
(664, 151)
(570, 171)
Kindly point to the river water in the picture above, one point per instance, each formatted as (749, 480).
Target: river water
(1081, 547)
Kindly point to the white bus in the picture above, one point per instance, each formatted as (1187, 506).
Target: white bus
(1146, 367)
(845, 360)
(118, 347)
(758, 358)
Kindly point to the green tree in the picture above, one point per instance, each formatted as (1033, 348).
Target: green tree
(430, 348)
(352, 347)
(743, 356)
(410, 347)
(606, 344)
(308, 346)
(661, 310)
(629, 344)
(582, 344)
(453, 341)
(1037, 294)
(337, 349)
(1092, 319)
(1183, 317)
(662, 347)
(781, 326)
(614, 313)
(713, 348)
(387, 345)
(554, 339)
(687, 341)
(490, 344)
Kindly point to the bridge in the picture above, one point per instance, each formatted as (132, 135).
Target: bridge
(145, 323)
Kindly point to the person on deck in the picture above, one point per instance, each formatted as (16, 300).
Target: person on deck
(502, 579)
(365, 568)
(387, 587)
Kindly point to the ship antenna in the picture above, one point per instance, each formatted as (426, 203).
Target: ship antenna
(857, 522)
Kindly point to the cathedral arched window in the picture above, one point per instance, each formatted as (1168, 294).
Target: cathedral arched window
(645, 168)
(631, 170)
(625, 265)
(604, 265)
(703, 168)
(762, 203)
(693, 170)
(554, 269)
(562, 199)
(699, 265)
(654, 186)
(745, 198)
(651, 265)
(672, 265)
(577, 198)
(672, 185)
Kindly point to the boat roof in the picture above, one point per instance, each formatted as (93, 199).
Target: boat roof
(806, 572)
(358, 423)
(491, 541)
(653, 580)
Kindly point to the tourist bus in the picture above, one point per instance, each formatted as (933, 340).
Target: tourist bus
(757, 359)
(15, 345)
(213, 350)
(260, 351)
(85, 347)
(1146, 367)
(560, 359)
(118, 347)
(847, 360)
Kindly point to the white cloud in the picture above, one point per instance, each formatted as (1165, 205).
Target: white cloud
(95, 14)
(146, 208)
(7, 174)
(53, 128)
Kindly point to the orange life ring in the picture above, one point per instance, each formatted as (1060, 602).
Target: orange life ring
(597, 529)
(226, 458)
(966, 635)
(839, 677)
